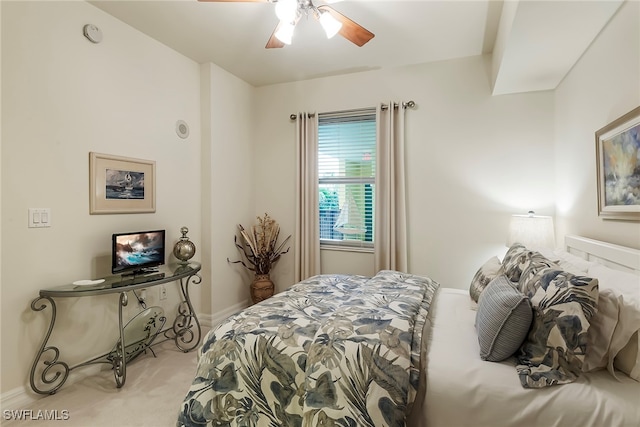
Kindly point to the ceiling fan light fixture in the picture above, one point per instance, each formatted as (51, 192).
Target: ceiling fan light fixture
(285, 32)
(287, 10)
(330, 24)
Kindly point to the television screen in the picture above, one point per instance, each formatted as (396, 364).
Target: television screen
(137, 252)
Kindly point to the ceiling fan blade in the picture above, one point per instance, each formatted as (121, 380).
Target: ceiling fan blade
(350, 30)
(274, 42)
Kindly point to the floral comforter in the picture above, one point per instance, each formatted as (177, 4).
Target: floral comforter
(333, 350)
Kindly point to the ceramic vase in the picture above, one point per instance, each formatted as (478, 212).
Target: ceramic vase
(261, 288)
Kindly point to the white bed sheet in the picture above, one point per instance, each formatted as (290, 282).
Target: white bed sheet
(463, 390)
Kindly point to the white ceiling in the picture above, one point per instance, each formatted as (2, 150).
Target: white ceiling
(536, 42)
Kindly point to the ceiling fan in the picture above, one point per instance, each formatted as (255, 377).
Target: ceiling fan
(289, 13)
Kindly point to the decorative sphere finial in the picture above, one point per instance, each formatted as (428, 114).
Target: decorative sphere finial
(184, 249)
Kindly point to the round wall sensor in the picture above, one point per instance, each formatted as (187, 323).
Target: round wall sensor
(182, 129)
(93, 33)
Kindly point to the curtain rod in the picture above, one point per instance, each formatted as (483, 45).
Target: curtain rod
(295, 116)
(408, 104)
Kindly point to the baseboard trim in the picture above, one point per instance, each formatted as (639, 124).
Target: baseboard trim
(212, 320)
(21, 397)
(17, 398)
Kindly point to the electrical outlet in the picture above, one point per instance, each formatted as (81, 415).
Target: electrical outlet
(163, 292)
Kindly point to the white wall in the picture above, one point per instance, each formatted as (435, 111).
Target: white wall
(62, 97)
(472, 160)
(602, 86)
(227, 184)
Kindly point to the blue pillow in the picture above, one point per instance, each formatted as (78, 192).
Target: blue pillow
(503, 319)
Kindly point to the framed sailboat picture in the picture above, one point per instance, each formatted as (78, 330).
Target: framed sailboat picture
(121, 184)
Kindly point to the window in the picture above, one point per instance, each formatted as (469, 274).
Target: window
(346, 170)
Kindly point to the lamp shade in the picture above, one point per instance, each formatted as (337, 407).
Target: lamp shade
(286, 10)
(533, 231)
(285, 32)
(330, 24)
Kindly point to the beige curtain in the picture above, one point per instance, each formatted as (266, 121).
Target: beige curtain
(390, 229)
(307, 236)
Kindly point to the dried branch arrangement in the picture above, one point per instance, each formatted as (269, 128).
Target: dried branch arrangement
(260, 245)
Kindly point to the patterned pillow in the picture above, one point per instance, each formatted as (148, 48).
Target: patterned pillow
(554, 350)
(514, 262)
(483, 276)
(520, 264)
(503, 320)
(535, 262)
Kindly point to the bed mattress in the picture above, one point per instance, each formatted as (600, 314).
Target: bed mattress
(463, 390)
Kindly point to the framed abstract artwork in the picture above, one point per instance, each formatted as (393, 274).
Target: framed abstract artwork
(121, 184)
(618, 168)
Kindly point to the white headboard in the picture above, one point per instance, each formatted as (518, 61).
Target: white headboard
(614, 256)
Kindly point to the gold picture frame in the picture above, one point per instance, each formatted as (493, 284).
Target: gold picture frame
(121, 184)
(618, 168)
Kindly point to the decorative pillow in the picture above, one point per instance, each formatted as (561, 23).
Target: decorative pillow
(514, 262)
(554, 350)
(625, 288)
(483, 276)
(534, 263)
(503, 320)
(520, 264)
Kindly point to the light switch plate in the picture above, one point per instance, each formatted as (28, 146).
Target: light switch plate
(39, 217)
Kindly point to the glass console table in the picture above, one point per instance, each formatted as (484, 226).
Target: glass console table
(138, 334)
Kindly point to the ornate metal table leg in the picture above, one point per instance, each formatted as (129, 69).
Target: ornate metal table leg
(182, 325)
(55, 373)
(119, 360)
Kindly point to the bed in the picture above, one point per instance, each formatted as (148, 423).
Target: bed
(398, 349)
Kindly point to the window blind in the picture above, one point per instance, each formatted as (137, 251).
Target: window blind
(346, 169)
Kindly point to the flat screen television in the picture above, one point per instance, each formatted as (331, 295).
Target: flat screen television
(137, 252)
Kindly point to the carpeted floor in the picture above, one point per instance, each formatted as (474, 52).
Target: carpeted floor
(150, 397)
